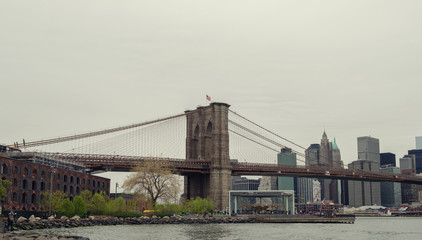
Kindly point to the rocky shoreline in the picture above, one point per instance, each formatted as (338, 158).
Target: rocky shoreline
(36, 223)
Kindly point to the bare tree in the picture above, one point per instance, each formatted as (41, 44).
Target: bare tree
(155, 181)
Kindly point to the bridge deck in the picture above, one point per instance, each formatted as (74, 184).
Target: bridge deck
(183, 166)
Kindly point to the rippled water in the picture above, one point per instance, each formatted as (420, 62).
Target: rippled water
(364, 228)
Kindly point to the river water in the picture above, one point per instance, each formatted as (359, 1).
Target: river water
(364, 228)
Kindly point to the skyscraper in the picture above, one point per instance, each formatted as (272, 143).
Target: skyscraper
(365, 193)
(418, 159)
(387, 159)
(369, 149)
(418, 141)
(286, 157)
(326, 154)
(390, 191)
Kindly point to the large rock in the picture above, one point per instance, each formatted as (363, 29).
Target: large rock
(76, 217)
(51, 218)
(21, 219)
(64, 218)
(32, 218)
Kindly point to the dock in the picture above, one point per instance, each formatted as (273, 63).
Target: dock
(307, 219)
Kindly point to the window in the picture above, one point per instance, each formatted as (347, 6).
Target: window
(4, 169)
(42, 186)
(34, 185)
(24, 184)
(34, 173)
(25, 171)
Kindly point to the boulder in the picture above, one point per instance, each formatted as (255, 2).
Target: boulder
(32, 218)
(64, 218)
(91, 218)
(51, 218)
(76, 217)
(21, 219)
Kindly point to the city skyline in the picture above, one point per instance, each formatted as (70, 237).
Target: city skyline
(350, 69)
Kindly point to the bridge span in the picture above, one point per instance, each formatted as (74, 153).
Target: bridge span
(97, 162)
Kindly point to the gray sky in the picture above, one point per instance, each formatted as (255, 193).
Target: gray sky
(352, 68)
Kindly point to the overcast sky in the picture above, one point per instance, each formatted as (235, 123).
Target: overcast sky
(352, 68)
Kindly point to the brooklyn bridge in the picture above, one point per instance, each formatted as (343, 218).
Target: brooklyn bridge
(199, 144)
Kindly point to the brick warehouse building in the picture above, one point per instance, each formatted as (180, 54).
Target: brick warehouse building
(31, 174)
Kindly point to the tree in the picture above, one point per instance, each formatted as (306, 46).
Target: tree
(67, 208)
(54, 201)
(199, 205)
(98, 204)
(153, 180)
(86, 196)
(79, 204)
(4, 185)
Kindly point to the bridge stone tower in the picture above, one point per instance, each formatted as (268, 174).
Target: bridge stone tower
(207, 139)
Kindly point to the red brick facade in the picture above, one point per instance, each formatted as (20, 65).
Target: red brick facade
(29, 180)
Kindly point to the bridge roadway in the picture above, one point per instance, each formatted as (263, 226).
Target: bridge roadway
(126, 163)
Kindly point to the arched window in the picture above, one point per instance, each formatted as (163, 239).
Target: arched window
(33, 198)
(71, 179)
(77, 180)
(23, 198)
(58, 187)
(93, 183)
(71, 190)
(65, 189)
(34, 185)
(77, 191)
(43, 174)
(42, 186)
(24, 184)
(15, 182)
(16, 169)
(4, 169)
(34, 173)
(209, 129)
(14, 197)
(25, 171)
(65, 178)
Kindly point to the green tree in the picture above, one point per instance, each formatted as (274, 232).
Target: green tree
(4, 185)
(199, 205)
(119, 205)
(98, 204)
(54, 201)
(67, 208)
(86, 196)
(79, 204)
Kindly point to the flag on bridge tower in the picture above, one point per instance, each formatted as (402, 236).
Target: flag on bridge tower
(208, 98)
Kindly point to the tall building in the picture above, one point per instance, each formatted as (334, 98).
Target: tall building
(387, 159)
(286, 157)
(326, 154)
(418, 159)
(390, 191)
(369, 149)
(365, 193)
(418, 141)
(408, 164)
